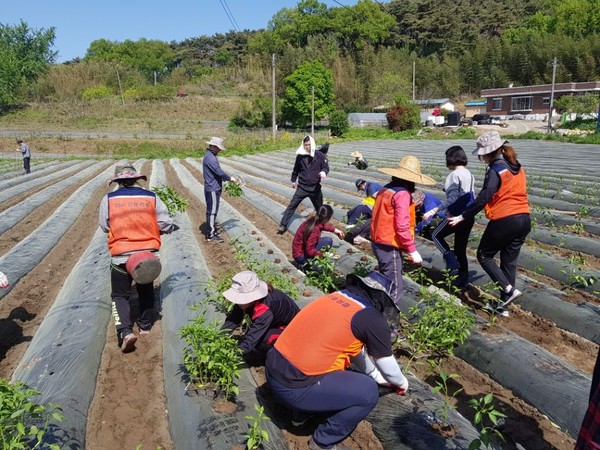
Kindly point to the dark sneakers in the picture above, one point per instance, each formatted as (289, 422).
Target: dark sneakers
(215, 238)
(281, 229)
(128, 342)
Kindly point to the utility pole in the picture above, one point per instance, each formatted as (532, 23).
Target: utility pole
(552, 95)
(312, 113)
(120, 87)
(274, 116)
(414, 72)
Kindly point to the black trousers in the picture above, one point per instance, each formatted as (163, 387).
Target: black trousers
(506, 236)
(461, 239)
(26, 164)
(125, 311)
(315, 195)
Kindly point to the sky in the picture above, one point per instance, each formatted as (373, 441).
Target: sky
(78, 23)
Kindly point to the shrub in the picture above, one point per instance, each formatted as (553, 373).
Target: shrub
(258, 114)
(338, 123)
(150, 93)
(404, 115)
(96, 93)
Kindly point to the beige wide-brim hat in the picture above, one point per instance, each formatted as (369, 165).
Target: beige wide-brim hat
(488, 142)
(356, 154)
(409, 169)
(217, 142)
(246, 288)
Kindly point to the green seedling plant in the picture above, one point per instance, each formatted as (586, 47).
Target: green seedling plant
(175, 203)
(233, 188)
(214, 289)
(442, 386)
(486, 420)
(447, 282)
(264, 269)
(211, 356)
(438, 325)
(321, 274)
(362, 268)
(256, 434)
(23, 423)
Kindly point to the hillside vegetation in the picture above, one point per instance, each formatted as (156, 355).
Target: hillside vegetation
(368, 51)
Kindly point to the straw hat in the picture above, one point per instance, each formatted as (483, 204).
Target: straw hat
(409, 169)
(356, 154)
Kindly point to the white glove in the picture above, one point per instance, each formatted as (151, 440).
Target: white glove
(294, 185)
(233, 179)
(415, 257)
(323, 175)
(339, 233)
(453, 221)
(429, 214)
(3, 280)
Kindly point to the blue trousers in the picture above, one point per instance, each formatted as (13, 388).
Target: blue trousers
(213, 199)
(348, 396)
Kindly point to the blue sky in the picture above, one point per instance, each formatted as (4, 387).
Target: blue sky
(78, 23)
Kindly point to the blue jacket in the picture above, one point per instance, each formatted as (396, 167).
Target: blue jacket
(430, 202)
(213, 174)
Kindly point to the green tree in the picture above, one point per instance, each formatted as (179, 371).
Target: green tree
(299, 86)
(338, 123)
(578, 104)
(25, 54)
(148, 57)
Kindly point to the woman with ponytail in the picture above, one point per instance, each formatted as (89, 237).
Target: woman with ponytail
(308, 242)
(504, 198)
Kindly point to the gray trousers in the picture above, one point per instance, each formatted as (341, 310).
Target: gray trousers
(389, 260)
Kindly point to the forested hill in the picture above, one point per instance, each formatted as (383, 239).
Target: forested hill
(457, 48)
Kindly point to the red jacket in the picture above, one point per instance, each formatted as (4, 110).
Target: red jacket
(308, 247)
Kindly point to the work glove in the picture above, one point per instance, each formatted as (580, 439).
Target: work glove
(3, 280)
(339, 233)
(429, 214)
(323, 175)
(453, 221)
(293, 185)
(233, 179)
(415, 257)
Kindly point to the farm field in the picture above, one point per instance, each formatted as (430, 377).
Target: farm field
(56, 333)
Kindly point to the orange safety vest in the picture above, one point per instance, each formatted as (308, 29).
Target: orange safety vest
(511, 198)
(319, 339)
(383, 229)
(132, 221)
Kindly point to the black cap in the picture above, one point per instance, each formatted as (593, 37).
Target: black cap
(358, 183)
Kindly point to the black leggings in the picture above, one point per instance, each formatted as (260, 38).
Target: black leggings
(461, 238)
(506, 236)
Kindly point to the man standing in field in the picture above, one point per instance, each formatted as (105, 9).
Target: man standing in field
(213, 186)
(24, 149)
(134, 219)
(309, 169)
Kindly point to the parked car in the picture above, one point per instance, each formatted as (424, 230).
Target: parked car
(482, 119)
(517, 117)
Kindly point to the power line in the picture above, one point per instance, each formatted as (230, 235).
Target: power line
(229, 14)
